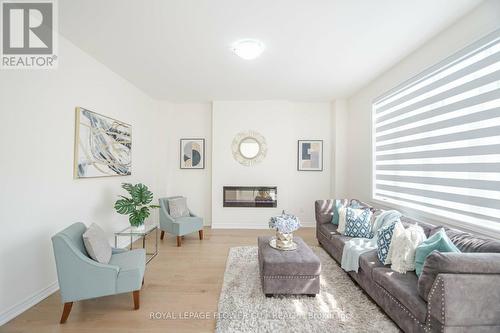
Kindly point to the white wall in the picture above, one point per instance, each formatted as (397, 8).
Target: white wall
(190, 120)
(483, 20)
(282, 124)
(339, 148)
(39, 196)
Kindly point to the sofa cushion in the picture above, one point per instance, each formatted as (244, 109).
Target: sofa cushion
(403, 287)
(96, 244)
(467, 242)
(337, 241)
(328, 229)
(452, 262)
(368, 261)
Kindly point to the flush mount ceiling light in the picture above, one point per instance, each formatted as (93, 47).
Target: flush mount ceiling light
(248, 49)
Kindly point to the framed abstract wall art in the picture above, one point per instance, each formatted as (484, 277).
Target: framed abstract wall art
(310, 155)
(103, 146)
(192, 154)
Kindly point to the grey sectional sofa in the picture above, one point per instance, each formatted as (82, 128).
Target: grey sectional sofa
(455, 293)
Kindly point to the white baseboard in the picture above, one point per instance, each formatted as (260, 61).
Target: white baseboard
(28, 302)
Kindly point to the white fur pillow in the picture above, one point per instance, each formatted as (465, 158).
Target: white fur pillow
(404, 245)
(342, 216)
(399, 229)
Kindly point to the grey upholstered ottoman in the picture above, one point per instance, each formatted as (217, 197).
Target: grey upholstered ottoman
(288, 272)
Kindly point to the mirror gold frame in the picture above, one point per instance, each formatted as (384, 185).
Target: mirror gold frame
(247, 160)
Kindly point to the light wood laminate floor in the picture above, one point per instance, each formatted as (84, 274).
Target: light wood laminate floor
(180, 279)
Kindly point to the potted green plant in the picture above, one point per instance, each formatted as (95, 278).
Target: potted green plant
(137, 206)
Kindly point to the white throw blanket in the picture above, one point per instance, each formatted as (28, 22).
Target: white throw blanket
(355, 247)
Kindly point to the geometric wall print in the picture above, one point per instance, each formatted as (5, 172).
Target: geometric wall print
(103, 146)
(310, 155)
(192, 154)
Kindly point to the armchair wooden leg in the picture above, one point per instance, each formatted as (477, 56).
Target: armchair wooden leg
(162, 235)
(200, 233)
(66, 311)
(136, 299)
(179, 240)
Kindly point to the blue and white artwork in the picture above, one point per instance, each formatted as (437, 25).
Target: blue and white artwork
(103, 146)
(310, 155)
(192, 153)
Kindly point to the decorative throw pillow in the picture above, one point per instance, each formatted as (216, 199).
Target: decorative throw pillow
(342, 217)
(403, 248)
(178, 207)
(337, 204)
(384, 237)
(467, 242)
(355, 203)
(437, 242)
(96, 244)
(399, 229)
(358, 223)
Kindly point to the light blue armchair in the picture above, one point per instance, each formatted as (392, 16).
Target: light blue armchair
(178, 226)
(81, 277)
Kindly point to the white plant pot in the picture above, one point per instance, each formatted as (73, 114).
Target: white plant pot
(141, 227)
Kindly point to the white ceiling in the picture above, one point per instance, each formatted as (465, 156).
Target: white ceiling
(179, 50)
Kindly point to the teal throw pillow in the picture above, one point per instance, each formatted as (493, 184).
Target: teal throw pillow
(336, 206)
(437, 242)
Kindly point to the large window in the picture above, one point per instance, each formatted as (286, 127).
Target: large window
(436, 139)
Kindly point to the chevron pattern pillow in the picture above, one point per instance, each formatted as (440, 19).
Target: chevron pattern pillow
(358, 222)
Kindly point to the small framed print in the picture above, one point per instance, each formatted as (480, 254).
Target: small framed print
(310, 155)
(192, 154)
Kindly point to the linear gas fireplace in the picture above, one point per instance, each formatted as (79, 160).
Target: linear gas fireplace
(250, 196)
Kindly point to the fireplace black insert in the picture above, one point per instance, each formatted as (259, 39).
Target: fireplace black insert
(250, 196)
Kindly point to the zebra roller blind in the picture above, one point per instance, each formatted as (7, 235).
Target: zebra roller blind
(436, 139)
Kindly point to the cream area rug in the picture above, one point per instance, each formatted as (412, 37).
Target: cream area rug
(341, 306)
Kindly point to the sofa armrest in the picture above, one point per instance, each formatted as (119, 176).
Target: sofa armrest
(79, 276)
(465, 301)
(192, 214)
(323, 210)
(455, 263)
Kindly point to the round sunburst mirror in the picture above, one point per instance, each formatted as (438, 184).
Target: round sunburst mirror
(249, 148)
